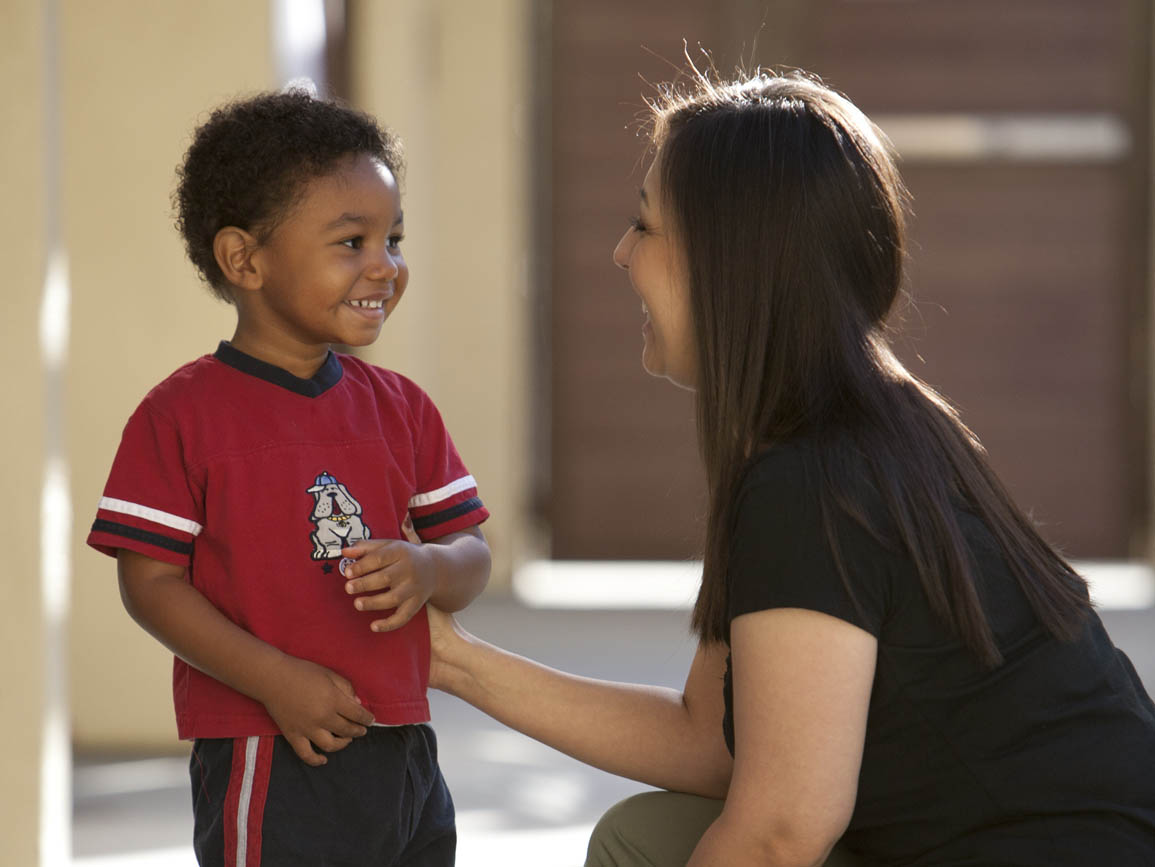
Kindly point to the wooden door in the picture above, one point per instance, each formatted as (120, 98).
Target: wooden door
(1029, 268)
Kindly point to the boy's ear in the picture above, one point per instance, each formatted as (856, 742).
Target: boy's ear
(233, 249)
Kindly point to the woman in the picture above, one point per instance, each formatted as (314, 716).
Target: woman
(889, 653)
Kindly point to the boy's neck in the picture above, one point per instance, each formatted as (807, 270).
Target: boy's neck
(301, 361)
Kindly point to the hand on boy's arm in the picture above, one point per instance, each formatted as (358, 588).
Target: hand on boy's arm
(449, 572)
(306, 701)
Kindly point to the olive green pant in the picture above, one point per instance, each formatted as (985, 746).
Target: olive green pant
(661, 829)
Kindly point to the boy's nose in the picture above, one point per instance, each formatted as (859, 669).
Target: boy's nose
(384, 267)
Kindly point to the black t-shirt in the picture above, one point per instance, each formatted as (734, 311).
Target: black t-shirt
(1048, 759)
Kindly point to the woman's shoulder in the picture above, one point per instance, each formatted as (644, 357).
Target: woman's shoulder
(792, 538)
(803, 464)
(781, 462)
(815, 487)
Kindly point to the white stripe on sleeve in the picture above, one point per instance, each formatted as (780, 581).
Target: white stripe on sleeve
(110, 504)
(443, 493)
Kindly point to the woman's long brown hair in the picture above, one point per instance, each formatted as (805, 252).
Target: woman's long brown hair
(787, 206)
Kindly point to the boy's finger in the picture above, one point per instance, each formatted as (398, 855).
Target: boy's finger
(343, 727)
(374, 567)
(398, 619)
(378, 602)
(330, 742)
(379, 551)
(342, 684)
(360, 715)
(368, 582)
(357, 715)
(345, 720)
(305, 752)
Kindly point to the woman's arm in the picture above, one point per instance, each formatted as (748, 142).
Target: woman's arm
(658, 736)
(802, 683)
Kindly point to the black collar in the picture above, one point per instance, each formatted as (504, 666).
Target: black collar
(328, 375)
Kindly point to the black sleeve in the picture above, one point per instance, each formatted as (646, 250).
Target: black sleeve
(781, 556)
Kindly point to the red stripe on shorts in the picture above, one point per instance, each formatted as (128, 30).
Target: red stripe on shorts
(257, 802)
(244, 809)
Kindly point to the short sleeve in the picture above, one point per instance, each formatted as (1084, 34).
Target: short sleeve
(781, 556)
(149, 505)
(446, 500)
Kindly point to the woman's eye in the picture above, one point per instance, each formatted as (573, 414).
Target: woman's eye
(637, 225)
(354, 243)
(395, 240)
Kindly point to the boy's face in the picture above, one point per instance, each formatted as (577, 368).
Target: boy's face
(332, 271)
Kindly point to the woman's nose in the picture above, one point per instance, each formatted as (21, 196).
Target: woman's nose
(622, 250)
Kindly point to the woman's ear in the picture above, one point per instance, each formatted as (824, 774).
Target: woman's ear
(233, 249)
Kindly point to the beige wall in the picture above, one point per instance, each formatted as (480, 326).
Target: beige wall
(135, 78)
(22, 250)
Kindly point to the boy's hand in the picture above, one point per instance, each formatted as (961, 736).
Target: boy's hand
(401, 575)
(312, 705)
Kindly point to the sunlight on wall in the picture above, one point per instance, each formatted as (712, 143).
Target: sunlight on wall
(299, 40)
(55, 498)
(611, 585)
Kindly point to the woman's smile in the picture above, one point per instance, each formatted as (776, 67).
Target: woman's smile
(657, 274)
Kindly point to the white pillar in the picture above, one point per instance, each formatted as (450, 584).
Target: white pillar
(34, 801)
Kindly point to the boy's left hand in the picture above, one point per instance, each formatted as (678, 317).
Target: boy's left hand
(401, 576)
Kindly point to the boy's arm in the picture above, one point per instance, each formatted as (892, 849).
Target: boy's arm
(449, 572)
(308, 703)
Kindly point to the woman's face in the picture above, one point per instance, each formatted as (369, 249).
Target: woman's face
(657, 272)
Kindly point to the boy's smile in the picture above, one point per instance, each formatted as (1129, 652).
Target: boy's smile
(331, 272)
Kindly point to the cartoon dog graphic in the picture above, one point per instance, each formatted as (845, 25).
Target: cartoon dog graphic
(337, 518)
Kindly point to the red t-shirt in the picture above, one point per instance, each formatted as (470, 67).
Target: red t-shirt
(254, 479)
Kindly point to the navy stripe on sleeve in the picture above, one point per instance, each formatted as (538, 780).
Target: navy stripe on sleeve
(449, 514)
(176, 545)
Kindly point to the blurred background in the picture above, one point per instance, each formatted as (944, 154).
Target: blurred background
(1024, 131)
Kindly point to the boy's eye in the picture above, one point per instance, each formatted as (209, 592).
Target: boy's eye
(395, 241)
(637, 225)
(354, 243)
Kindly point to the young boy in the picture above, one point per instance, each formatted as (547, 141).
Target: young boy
(268, 505)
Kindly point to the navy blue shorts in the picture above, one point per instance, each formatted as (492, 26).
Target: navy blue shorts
(380, 802)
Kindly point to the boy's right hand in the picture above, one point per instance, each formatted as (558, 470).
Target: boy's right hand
(313, 706)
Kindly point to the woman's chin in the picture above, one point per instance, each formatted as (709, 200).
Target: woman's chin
(652, 362)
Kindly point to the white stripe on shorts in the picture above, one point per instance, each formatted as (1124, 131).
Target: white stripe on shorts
(251, 744)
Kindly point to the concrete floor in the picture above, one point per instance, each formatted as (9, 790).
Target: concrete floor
(518, 802)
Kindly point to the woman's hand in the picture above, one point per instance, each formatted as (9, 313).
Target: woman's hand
(447, 640)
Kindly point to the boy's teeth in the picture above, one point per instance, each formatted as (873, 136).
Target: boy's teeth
(364, 302)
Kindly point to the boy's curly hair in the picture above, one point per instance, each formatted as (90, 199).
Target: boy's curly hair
(249, 162)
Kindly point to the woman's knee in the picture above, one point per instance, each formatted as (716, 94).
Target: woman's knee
(610, 843)
(662, 829)
(652, 829)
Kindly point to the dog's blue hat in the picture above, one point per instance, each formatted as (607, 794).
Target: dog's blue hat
(325, 479)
